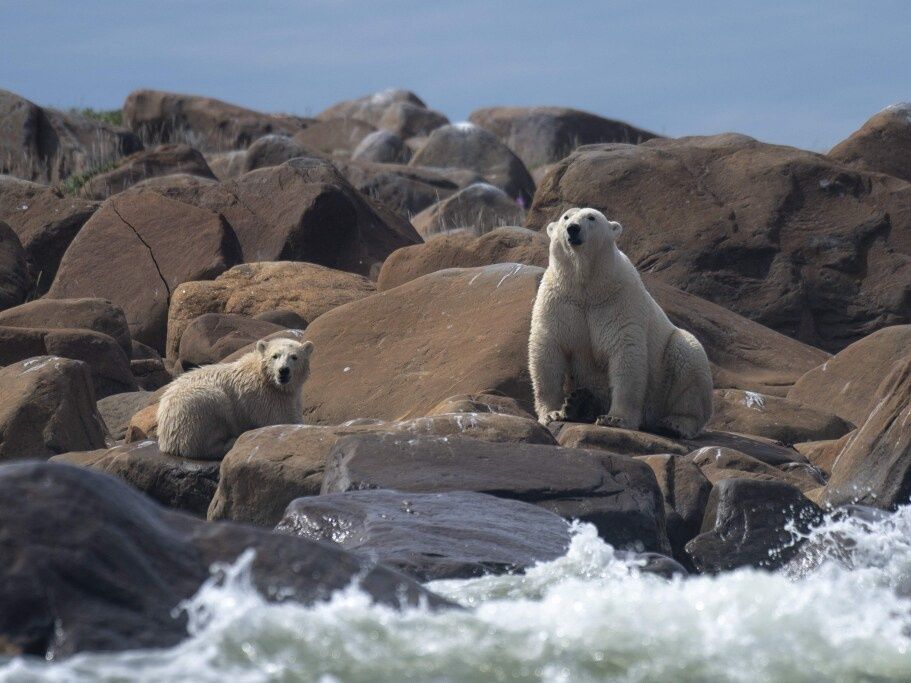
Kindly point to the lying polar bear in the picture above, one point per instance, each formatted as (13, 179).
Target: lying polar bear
(595, 327)
(204, 411)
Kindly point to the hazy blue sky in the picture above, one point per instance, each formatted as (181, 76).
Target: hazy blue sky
(796, 72)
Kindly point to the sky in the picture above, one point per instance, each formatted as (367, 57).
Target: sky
(795, 72)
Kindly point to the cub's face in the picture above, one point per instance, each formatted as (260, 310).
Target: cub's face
(581, 234)
(286, 362)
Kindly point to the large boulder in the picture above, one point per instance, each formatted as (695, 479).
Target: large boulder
(306, 289)
(268, 468)
(882, 144)
(464, 145)
(618, 495)
(408, 120)
(163, 160)
(719, 463)
(14, 275)
(93, 565)
(846, 383)
(874, 466)
(214, 336)
(370, 108)
(47, 145)
(743, 354)
(175, 482)
(136, 250)
(773, 417)
(45, 220)
(456, 534)
(477, 209)
(382, 147)
(399, 353)
(338, 137)
(47, 407)
(206, 123)
(788, 238)
(303, 210)
(89, 314)
(748, 523)
(116, 410)
(273, 150)
(544, 135)
(108, 364)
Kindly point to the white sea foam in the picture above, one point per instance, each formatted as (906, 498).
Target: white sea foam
(836, 613)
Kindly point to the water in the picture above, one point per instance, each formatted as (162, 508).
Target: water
(840, 612)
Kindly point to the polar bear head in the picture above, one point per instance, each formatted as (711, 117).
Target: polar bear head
(285, 362)
(579, 232)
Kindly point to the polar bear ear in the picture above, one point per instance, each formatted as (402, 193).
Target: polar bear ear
(307, 348)
(261, 346)
(550, 229)
(616, 229)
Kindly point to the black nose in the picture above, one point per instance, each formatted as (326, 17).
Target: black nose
(284, 372)
(573, 229)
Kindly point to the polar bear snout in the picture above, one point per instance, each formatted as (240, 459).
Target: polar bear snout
(574, 234)
(284, 375)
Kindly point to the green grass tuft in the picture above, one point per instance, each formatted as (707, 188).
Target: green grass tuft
(112, 116)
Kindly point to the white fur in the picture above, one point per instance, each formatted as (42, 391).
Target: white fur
(204, 411)
(595, 326)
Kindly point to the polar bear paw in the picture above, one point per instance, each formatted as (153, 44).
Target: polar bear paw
(616, 422)
(553, 416)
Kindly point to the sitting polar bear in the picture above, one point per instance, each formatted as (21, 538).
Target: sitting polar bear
(204, 411)
(596, 328)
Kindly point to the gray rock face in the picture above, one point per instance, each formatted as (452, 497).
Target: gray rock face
(14, 275)
(431, 536)
(91, 564)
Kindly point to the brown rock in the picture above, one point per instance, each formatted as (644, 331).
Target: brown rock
(544, 135)
(47, 145)
(399, 353)
(822, 454)
(334, 136)
(47, 407)
(788, 238)
(718, 464)
(408, 120)
(227, 165)
(214, 336)
(117, 409)
(874, 467)
(14, 276)
(207, 123)
(179, 483)
(46, 222)
(846, 383)
(159, 161)
(478, 209)
(370, 108)
(381, 147)
(465, 145)
(144, 424)
(480, 403)
(304, 288)
(108, 364)
(620, 441)
(273, 150)
(136, 250)
(89, 314)
(776, 418)
(882, 144)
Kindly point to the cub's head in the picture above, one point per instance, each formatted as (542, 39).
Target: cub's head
(285, 362)
(581, 233)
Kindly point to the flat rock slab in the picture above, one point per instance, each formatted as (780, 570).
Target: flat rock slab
(91, 564)
(457, 534)
(179, 483)
(619, 495)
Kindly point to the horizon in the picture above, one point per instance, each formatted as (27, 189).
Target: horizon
(779, 72)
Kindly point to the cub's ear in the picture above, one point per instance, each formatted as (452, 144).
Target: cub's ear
(307, 348)
(616, 229)
(261, 346)
(550, 230)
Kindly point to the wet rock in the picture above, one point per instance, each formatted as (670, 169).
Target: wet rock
(14, 275)
(45, 220)
(209, 124)
(882, 144)
(773, 417)
(306, 289)
(747, 525)
(457, 534)
(135, 251)
(718, 464)
(544, 135)
(47, 407)
(618, 495)
(465, 145)
(788, 238)
(163, 160)
(478, 209)
(213, 336)
(846, 383)
(106, 361)
(88, 314)
(874, 467)
(117, 583)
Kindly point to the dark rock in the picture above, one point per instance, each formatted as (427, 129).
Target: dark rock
(212, 337)
(14, 275)
(284, 317)
(718, 463)
(163, 160)
(747, 525)
(99, 315)
(47, 407)
(117, 409)
(116, 582)
(618, 495)
(882, 144)
(430, 536)
(478, 209)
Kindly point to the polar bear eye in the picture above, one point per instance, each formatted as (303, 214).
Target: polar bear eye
(294, 357)
(274, 356)
(591, 218)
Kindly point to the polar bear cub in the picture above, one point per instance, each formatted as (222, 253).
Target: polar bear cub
(595, 327)
(204, 411)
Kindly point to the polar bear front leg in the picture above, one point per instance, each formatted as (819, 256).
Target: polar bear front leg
(629, 379)
(547, 365)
